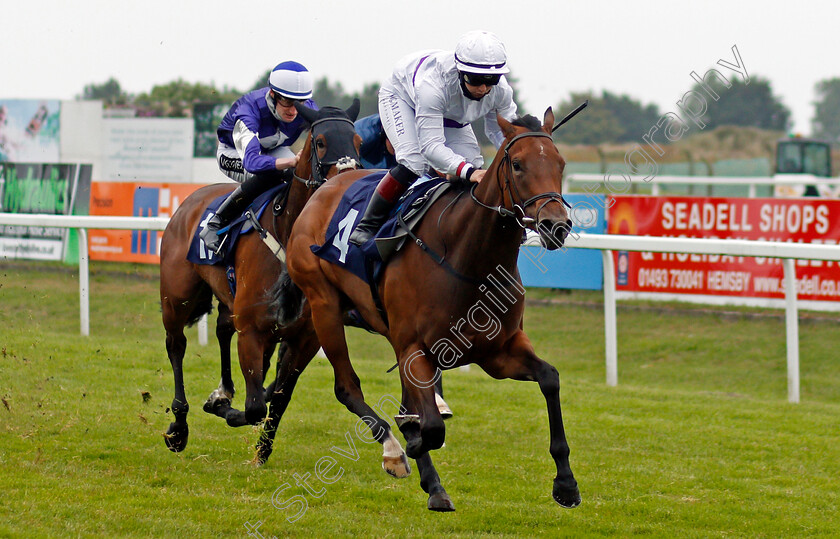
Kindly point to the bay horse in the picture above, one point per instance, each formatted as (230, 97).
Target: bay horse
(254, 313)
(440, 312)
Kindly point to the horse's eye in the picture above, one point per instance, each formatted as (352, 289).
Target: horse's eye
(320, 144)
(516, 166)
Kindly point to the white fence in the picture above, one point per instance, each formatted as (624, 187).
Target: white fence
(789, 252)
(82, 223)
(618, 184)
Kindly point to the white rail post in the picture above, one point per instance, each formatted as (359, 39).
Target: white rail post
(610, 334)
(84, 283)
(792, 326)
(202, 330)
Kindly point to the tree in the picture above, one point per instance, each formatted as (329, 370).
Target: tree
(634, 118)
(746, 104)
(826, 121)
(598, 124)
(369, 99)
(109, 92)
(176, 99)
(326, 93)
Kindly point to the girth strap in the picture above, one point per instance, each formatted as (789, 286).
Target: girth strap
(275, 246)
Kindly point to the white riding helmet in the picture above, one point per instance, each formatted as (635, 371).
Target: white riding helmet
(291, 80)
(481, 52)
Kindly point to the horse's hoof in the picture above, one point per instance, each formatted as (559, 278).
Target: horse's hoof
(264, 451)
(213, 405)
(262, 455)
(397, 466)
(176, 437)
(440, 501)
(568, 498)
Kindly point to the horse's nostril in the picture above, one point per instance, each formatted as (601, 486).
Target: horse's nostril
(555, 229)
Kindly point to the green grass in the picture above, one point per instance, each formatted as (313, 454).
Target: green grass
(697, 440)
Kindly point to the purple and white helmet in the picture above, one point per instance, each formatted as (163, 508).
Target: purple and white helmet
(291, 80)
(481, 52)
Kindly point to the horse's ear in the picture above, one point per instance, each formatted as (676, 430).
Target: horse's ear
(507, 128)
(308, 114)
(353, 110)
(548, 120)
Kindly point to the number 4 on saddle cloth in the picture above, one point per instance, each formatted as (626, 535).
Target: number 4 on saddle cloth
(368, 261)
(200, 254)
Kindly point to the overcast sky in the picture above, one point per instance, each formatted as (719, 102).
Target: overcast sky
(647, 49)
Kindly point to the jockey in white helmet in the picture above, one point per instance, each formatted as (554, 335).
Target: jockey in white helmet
(426, 108)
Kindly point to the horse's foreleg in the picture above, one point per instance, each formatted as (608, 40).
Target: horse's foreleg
(430, 483)
(294, 356)
(220, 400)
(418, 378)
(251, 346)
(522, 364)
(281, 353)
(269, 351)
(443, 408)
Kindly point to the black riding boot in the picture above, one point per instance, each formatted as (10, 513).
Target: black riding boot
(387, 192)
(230, 208)
(236, 203)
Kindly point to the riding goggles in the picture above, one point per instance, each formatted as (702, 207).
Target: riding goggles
(478, 79)
(285, 101)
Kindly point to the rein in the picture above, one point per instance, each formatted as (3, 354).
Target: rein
(518, 211)
(316, 180)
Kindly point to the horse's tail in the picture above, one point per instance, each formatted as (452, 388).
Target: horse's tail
(289, 300)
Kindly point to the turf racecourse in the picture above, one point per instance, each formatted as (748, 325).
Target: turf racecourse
(696, 441)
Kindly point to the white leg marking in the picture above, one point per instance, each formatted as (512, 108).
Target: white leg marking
(391, 447)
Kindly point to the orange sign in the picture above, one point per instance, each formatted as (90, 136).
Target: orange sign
(137, 200)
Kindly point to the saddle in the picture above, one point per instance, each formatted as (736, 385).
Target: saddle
(368, 261)
(249, 220)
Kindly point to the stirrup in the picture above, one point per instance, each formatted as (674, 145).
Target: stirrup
(210, 238)
(221, 243)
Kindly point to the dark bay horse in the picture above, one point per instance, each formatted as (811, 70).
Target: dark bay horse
(254, 313)
(466, 309)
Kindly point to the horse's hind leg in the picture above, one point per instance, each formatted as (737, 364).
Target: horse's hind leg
(177, 434)
(176, 313)
(219, 401)
(330, 330)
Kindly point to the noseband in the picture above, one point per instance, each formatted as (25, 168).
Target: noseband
(518, 210)
(320, 168)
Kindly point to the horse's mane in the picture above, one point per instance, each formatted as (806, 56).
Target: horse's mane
(528, 122)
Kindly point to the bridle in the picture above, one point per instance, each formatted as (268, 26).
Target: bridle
(320, 168)
(518, 210)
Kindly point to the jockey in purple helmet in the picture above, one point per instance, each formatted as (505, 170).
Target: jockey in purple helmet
(255, 137)
(426, 109)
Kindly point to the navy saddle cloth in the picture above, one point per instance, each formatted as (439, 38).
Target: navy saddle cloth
(200, 254)
(338, 250)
